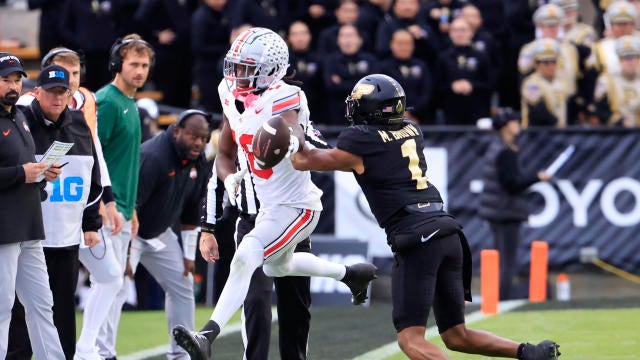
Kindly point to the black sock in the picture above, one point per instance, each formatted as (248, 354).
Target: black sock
(520, 350)
(211, 330)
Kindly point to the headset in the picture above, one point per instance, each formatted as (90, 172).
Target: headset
(115, 58)
(48, 59)
(188, 113)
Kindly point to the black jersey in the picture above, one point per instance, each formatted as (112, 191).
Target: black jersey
(394, 167)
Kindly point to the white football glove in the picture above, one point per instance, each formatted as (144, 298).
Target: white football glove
(231, 183)
(294, 143)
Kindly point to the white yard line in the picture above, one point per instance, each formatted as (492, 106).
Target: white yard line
(392, 348)
(162, 349)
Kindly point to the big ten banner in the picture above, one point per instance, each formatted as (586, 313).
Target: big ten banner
(327, 291)
(594, 200)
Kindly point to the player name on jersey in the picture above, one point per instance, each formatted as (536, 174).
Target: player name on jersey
(390, 135)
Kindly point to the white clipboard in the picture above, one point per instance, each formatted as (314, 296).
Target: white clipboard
(54, 153)
(560, 160)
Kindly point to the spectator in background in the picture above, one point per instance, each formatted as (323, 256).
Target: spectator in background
(575, 31)
(439, 15)
(346, 14)
(583, 37)
(503, 203)
(49, 35)
(173, 178)
(405, 16)
(544, 94)
(89, 25)
(318, 15)
(617, 95)
(341, 70)
(308, 67)
(23, 267)
(620, 20)
(370, 14)
(548, 20)
(167, 25)
(519, 14)
(70, 217)
(270, 14)
(119, 132)
(210, 31)
(413, 74)
(463, 78)
(482, 40)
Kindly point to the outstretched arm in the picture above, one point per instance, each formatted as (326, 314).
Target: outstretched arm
(326, 160)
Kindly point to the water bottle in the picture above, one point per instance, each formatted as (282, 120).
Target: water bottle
(563, 287)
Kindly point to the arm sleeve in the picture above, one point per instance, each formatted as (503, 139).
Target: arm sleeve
(509, 175)
(91, 219)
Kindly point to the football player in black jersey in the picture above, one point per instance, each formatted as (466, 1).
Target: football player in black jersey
(433, 263)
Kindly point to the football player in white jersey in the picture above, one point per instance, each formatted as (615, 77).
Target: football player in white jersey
(252, 92)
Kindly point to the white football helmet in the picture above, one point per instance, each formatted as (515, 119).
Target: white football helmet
(257, 59)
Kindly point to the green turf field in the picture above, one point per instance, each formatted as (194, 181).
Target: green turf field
(582, 334)
(599, 330)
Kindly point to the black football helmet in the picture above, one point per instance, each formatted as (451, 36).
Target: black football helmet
(376, 99)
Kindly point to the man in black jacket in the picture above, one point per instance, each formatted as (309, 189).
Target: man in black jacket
(69, 207)
(173, 178)
(22, 268)
(503, 203)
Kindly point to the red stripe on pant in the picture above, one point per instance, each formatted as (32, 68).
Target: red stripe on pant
(290, 234)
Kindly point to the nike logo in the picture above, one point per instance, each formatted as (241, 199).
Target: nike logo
(425, 239)
(126, 111)
(7, 132)
(172, 173)
(423, 205)
(259, 111)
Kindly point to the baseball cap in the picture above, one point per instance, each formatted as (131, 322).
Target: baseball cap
(10, 63)
(53, 76)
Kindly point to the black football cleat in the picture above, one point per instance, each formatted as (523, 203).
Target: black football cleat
(195, 343)
(357, 278)
(545, 350)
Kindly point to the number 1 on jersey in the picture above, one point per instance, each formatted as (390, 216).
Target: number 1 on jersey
(409, 150)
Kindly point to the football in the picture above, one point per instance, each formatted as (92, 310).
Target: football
(271, 142)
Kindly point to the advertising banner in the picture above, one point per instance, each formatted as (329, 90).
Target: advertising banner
(593, 201)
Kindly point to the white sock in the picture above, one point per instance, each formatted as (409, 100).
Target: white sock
(247, 259)
(96, 310)
(307, 264)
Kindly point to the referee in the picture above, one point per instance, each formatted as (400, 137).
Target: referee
(293, 292)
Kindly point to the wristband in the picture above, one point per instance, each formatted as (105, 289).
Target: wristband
(208, 228)
(189, 241)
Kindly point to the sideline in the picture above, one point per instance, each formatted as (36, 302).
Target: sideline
(162, 349)
(392, 348)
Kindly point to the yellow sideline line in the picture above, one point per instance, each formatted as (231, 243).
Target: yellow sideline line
(392, 348)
